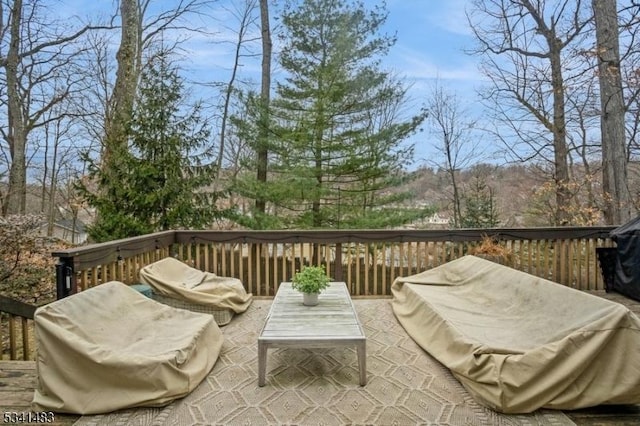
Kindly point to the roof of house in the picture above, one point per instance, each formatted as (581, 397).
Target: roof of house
(69, 225)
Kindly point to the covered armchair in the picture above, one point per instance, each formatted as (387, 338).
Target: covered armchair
(179, 285)
(109, 348)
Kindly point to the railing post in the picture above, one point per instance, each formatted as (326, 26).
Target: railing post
(65, 278)
(338, 274)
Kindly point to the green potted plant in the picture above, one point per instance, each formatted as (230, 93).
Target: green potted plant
(310, 281)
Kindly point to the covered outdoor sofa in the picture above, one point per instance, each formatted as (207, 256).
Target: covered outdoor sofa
(179, 285)
(517, 342)
(109, 348)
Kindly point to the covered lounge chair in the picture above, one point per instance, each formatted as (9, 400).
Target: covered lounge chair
(517, 342)
(109, 348)
(179, 285)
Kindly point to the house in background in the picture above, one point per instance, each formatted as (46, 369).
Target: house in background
(70, 230)
(436, 219)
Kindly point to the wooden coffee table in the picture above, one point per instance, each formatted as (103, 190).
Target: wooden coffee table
(333, 322)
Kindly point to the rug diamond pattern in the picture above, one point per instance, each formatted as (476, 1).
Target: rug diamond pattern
(320, 386)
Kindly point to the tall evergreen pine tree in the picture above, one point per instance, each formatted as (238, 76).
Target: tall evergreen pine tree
(336, 144)
(160, 180)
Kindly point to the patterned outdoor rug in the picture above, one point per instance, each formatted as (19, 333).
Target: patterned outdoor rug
(405, 385)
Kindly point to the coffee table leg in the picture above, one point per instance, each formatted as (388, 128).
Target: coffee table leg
(262, 362)
(362, 362)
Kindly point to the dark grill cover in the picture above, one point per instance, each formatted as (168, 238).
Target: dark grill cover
(627, 270)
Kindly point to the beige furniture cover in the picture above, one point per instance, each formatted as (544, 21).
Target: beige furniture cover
(109, 347)
(518, 342)
(173, 278)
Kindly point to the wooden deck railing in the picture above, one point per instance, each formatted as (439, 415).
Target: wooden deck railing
(367, 260)
(16, 325)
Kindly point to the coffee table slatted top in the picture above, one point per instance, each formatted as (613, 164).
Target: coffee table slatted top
(333, 318)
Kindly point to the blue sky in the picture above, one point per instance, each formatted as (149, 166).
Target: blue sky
(432, 36)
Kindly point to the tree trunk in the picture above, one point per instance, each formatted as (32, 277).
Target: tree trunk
(563, 193)
(451, 169)
(125, 87)
(457, 213)
(617, 199)
(52, 190)
(262, 151)
(120, 107)
(16, 134)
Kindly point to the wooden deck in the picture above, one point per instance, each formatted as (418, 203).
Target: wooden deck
(18, 380)
(610, 415)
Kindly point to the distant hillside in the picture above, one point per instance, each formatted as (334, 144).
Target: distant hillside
(514, 187)
(518, 189)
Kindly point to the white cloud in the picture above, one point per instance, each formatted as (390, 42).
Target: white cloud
(450, 16)
(415, 64)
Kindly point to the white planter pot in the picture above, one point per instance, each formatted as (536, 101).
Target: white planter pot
(310, 299)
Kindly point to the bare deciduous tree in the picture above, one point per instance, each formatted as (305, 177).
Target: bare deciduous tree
(246, 20)
(583, 112)
(36, 52)
(451, 127)
(522, 43)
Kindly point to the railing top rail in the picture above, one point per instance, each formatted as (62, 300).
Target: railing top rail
(16, 307)
(377, 235)
(101, 253)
